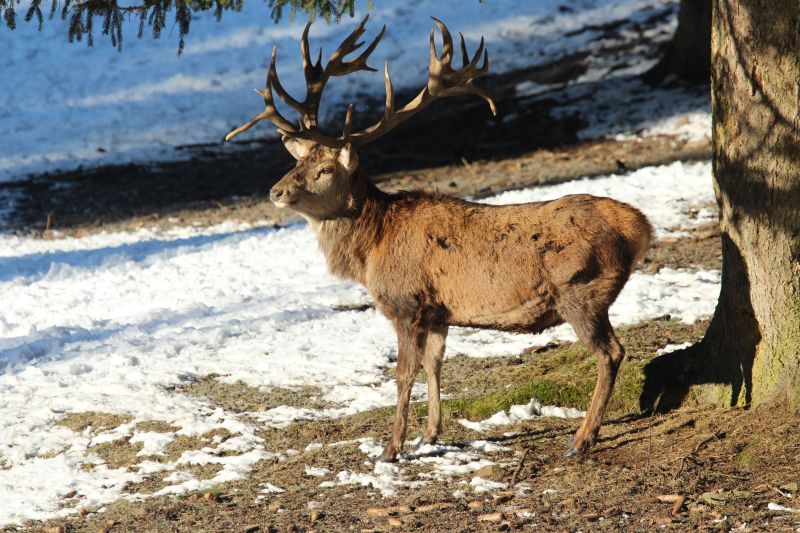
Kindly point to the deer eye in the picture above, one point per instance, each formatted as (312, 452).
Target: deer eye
(326, 171)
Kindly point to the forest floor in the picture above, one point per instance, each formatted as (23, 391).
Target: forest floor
(692, 468)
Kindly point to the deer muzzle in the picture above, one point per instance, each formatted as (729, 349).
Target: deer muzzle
(280, 196)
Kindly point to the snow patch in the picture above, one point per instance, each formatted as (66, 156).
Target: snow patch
(519, 413)
(480, 485)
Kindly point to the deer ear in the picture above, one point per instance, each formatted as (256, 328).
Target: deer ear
(299, 148)
(348, 158)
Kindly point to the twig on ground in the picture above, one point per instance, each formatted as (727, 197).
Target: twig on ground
(519, 467)
(647, 464)
(676, 508)
(730, 476)
(779, 491)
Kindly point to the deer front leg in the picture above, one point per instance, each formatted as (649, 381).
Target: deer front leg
(411, 340)
(432, 363)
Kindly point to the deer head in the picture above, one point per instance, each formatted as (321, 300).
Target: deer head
(324, 183)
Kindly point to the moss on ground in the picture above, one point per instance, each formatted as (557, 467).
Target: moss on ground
(122, 453)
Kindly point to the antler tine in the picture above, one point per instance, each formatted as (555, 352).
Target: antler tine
(270, 112)
(389, 120)
(349, 44)
(348, 122)
(485, 68)
(464, 53)
(317, 76)
(276, 83)
(446, 81)
(308, 66)
(338, 67)
(443, 80)
(360, 63)
(389, 109)
(474, 61)
(447, 42)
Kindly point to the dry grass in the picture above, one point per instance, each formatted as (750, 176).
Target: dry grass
(240, 398)
(97, 421)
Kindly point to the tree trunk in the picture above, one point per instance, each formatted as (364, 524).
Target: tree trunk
(688, 54)
(751, 352)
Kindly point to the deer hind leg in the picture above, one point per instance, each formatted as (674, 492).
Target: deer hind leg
(598, 335)
(411, 342)
(432, 363)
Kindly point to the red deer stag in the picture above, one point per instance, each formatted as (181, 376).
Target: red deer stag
(431, 261)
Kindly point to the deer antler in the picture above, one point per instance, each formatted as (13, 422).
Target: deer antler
(443, 81)
(316, 79)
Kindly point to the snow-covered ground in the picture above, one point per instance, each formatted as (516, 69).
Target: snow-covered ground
(111, 322)
(64, 105)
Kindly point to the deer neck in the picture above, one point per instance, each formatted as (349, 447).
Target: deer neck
(346, 239)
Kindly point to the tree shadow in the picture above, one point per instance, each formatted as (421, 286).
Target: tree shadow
(724, 356)
(37, 264)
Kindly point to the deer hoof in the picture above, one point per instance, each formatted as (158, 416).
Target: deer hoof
(387, 458)
(429, 440)
(574, 450)
(422, 442)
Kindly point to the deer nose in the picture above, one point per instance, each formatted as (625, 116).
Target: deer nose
(276, 194)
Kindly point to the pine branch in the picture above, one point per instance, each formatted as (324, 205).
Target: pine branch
(79, 15)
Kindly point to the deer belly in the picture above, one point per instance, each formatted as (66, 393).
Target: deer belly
(502, 311)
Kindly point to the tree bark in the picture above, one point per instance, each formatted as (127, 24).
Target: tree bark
(751, 351)
(688, 54)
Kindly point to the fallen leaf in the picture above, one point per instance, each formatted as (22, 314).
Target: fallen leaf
(676, 508)
(490, 517)
(492, 473)
(715, 497)
(475, 505)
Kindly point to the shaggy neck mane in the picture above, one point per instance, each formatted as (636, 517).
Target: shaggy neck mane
(346, 240)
